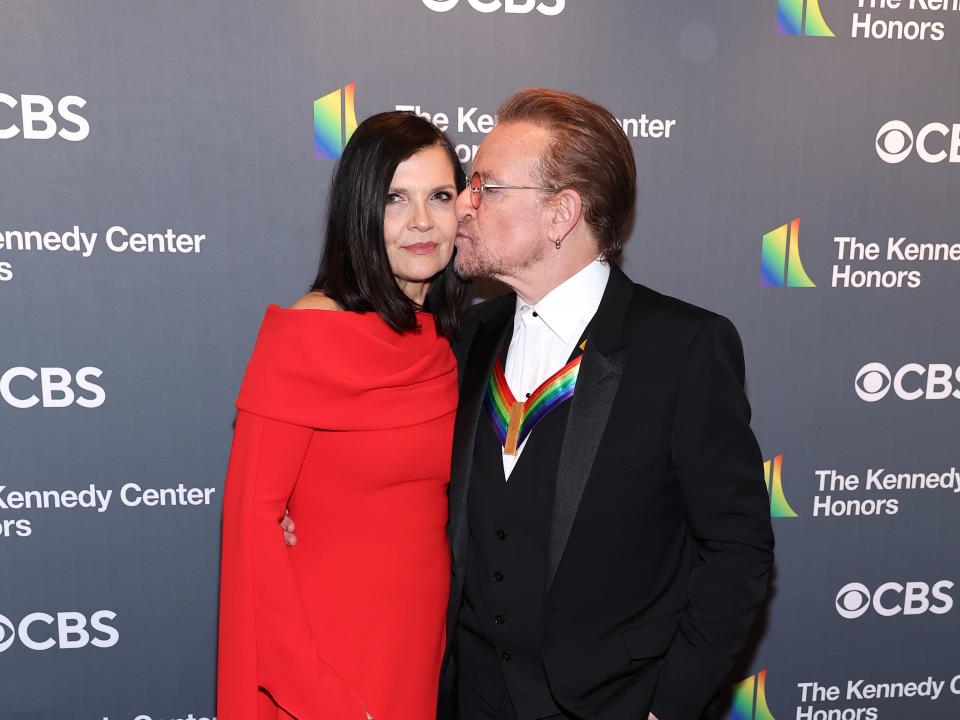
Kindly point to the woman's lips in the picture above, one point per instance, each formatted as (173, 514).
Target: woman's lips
(421, 248)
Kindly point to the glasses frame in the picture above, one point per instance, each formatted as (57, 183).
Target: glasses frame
(476, 193)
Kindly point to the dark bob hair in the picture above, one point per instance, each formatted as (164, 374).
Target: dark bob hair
(354, 268)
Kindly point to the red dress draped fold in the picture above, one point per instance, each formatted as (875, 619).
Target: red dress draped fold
(349, 424)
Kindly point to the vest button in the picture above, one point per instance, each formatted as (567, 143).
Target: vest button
(505, 656)
(498, 576)
(499, 619)
(502, 534)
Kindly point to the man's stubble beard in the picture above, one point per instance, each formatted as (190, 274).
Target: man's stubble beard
(482, 263)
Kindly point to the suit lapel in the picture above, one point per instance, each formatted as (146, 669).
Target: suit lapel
(486, 343)
(600, 372)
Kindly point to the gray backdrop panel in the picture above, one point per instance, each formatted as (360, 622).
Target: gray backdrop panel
(200, 121)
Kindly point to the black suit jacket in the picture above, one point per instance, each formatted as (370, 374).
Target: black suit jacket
(660, 542)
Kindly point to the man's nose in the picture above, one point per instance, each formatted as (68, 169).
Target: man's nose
(463, 207)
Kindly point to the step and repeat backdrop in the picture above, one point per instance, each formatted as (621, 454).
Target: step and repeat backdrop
(163, 172)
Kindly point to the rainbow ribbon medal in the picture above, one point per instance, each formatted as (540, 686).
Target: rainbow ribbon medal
(513, 421)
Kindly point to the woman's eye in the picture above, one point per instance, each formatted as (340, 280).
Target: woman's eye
(393, 198)
(443, 196)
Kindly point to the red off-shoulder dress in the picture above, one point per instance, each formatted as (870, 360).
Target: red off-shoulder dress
(349, 424)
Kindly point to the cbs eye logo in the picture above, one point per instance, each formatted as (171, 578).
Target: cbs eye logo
(894, 141)
(853, 600)
(8, 633)
(873, 382)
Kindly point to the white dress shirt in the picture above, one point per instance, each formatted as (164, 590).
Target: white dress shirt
(545, 334)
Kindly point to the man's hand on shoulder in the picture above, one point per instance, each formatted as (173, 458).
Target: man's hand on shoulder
(288, 526)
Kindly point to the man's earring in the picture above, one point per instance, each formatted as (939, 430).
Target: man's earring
(557, 243)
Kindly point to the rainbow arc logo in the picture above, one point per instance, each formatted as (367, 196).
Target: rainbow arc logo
(750, 699)
(802, 17)
(779, 507)
(780, 263)
(334, 120)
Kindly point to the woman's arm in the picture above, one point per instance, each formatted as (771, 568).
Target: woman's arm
(265, 639)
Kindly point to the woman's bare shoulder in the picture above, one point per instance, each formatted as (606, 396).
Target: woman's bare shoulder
(315, 300)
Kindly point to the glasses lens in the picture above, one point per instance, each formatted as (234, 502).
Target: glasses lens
(476, 190)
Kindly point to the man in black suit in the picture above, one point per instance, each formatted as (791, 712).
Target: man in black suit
(609, 524)
(610, 557)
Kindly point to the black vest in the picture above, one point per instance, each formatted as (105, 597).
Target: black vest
(500, 634)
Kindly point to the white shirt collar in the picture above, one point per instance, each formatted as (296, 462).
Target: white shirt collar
(570, 305)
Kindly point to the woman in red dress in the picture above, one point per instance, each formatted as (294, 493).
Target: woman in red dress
(346, 417)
